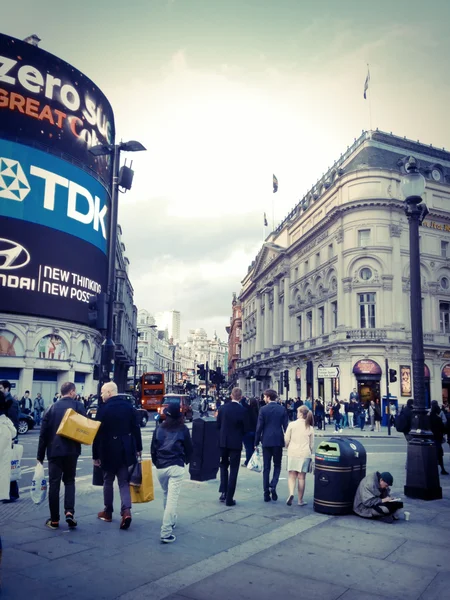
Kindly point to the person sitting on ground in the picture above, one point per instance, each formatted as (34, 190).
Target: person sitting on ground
(373, 499)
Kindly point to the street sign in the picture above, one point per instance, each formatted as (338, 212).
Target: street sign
(328, 372)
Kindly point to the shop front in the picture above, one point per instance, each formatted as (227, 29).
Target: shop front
(446, 384)
(368, 377)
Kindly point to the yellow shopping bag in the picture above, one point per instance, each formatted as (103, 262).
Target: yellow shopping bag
(145, 492)
(78, 428)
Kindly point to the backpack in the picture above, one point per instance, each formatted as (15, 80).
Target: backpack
(401, 422)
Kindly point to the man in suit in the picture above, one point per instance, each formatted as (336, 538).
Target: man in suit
(232, 425)
(116, 447)
(62, 455)
(272, 423)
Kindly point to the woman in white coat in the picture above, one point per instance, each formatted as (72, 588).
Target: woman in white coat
(7, 434)
(299, 440)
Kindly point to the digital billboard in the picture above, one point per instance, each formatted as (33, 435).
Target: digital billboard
(53, 235)
(47, 103)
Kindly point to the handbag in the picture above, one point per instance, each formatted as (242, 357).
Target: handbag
(135, 474)
(38, 485)
(78, 428)
(16, 457)
(255, 463)
(145, 492)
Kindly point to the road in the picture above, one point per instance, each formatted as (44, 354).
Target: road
(84, 470)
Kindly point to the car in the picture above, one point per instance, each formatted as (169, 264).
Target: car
(185, 406)
(26, 422)
(142, 413)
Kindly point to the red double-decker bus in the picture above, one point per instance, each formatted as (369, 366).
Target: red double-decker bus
(152, 390)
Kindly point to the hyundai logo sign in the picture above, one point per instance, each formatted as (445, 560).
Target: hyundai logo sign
(12, 255)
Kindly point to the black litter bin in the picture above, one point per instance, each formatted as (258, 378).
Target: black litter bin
(340, 466)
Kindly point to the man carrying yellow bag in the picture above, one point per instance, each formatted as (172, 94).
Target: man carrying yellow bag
(116, 447)
(62, 455)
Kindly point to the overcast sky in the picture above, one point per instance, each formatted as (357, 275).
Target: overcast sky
(225, 93)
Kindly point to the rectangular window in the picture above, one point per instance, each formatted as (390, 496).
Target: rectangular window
(299, 328)
(363, 237)
(367, 311)
(309, 319)
(321, 320)
(330, 251)
(334, 314)
(444, 249)
(444, 310)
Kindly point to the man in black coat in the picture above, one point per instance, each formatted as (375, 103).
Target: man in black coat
(62, 455)
(116, 447)
(272, 423)
(232, 425)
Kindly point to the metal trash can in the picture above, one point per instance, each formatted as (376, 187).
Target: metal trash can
(340, 466)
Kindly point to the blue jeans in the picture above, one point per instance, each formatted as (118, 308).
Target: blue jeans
(337, 422)
(37, 416)
(344, 420)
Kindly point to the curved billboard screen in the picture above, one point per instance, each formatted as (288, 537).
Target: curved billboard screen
(53, 235)
(47, 103)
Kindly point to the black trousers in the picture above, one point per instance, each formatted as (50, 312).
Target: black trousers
(65, 468)
(270, 453)
(390, 506)
(229, 458)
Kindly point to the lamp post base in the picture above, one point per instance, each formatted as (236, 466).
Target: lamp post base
(422, 476)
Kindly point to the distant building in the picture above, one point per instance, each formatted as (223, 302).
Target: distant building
(170, 320)
(331, 287)
(234, 330)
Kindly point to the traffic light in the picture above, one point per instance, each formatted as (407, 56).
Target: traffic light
(212, 376)
(286, 378)
(392, 375)
(201, 372)
(220, 378)
(98, 311)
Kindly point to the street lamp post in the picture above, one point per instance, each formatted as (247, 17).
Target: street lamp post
(422, 477)
(113, 150)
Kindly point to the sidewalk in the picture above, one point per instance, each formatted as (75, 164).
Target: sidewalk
(253, 550)
(356, 432)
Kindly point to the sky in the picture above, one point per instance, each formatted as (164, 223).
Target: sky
(225, 93)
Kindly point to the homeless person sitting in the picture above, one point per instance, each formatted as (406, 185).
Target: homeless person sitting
(373, 500)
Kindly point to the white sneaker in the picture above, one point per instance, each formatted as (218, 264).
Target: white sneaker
(302, 503)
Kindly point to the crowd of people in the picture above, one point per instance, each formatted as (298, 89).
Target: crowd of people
(241, 422)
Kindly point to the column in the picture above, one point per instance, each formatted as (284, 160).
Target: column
(276, 313)
(267, 340)
(398, 318)
(259, 325)
(287, 319)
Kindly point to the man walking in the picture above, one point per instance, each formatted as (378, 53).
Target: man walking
(62, 455)
(272, 423)
(116, 447)
(232, 425)
(12, 412)
(25, 403)
(38, 407)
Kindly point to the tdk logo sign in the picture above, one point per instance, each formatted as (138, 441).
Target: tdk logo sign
(36, 186)
(76, 196)
(13, 183)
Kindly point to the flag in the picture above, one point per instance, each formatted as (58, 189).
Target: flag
(275, 184)
(265, 220)
(366, 83)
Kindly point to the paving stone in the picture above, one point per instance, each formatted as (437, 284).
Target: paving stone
(53, 548)
(439, 588)
(352, 540)
(248, 582)
(15, 560)
(359, 572)
(14, 588)
(422, 555)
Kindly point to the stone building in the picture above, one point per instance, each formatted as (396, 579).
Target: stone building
(234, 330)
(330, 286)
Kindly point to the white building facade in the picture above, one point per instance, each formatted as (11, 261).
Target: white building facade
(330, 287)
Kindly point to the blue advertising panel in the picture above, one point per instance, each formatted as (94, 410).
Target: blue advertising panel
(38, 187)
(48, 104)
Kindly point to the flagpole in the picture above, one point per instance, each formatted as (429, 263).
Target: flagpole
(370, 101)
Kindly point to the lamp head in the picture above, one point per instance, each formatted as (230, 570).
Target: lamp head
(413, 183)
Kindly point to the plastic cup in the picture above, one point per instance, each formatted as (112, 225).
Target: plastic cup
(407, 515)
